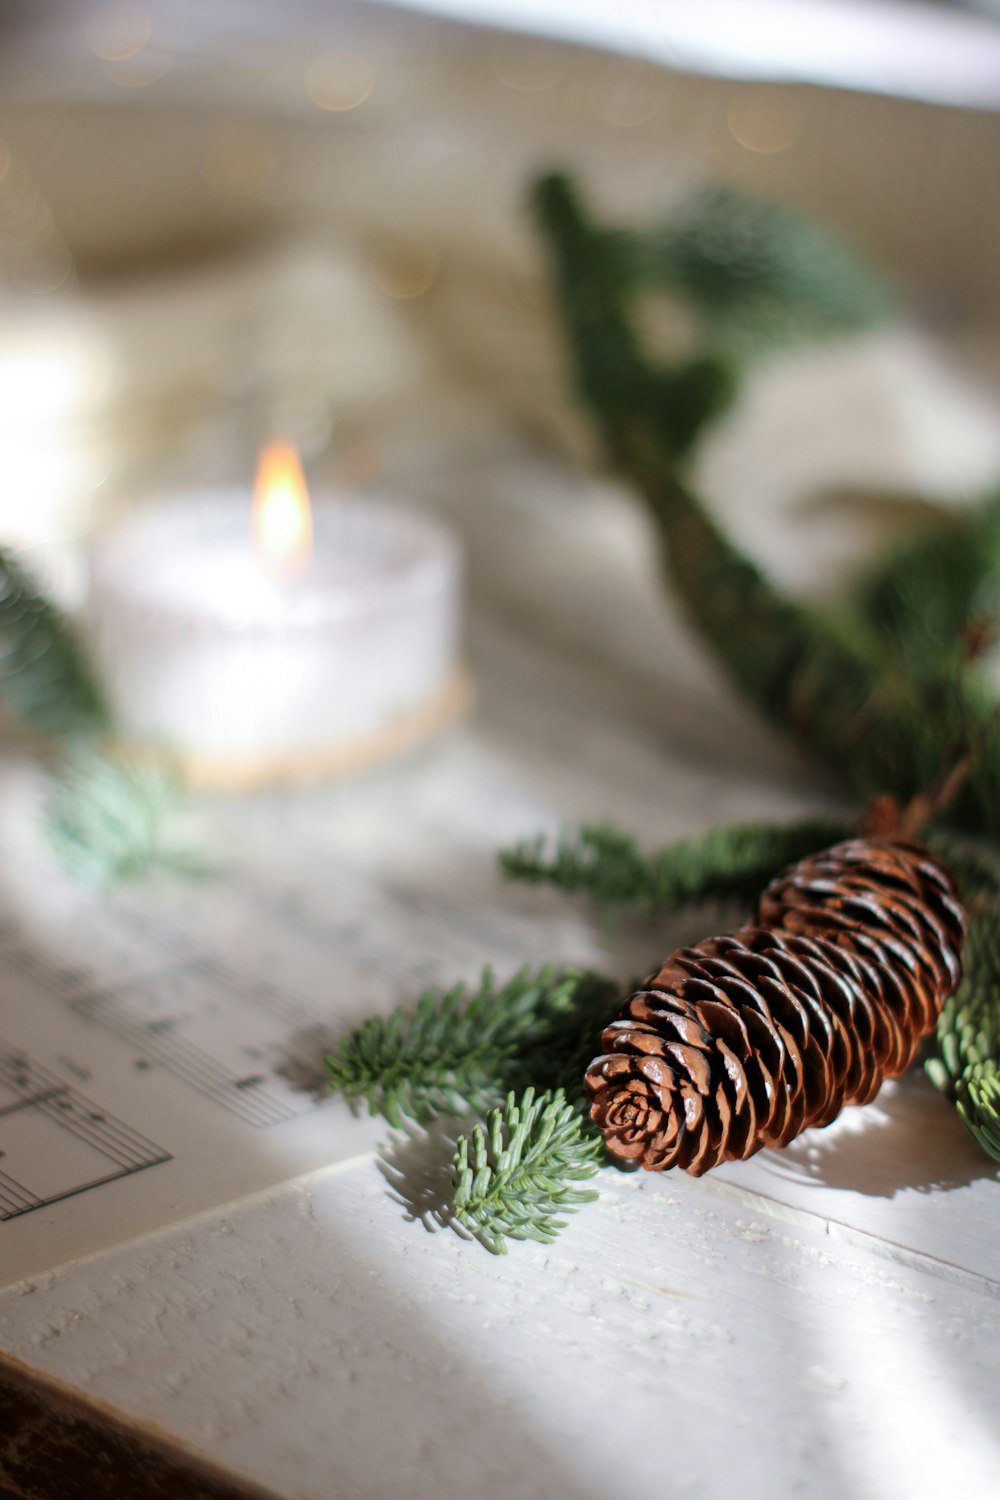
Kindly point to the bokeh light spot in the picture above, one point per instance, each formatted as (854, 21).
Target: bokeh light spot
(765, 120)
(118, 31)
(405, 269)
(340, 81)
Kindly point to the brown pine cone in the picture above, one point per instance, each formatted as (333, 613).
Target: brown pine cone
(744, 1040)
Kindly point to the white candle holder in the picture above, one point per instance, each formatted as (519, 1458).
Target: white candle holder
(253, 679)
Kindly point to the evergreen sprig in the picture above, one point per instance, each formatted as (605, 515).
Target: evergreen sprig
(729, 863)
(112, 821)
(966, 1066)
(45, 677)
(922, 597)
(759, 275)
(834, 679)
(460, 1050)
(517, 1172)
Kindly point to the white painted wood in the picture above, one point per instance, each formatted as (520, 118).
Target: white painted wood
(672, 1342)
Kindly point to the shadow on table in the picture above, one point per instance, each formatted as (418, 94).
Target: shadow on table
(909, 1138)
(416, 1164)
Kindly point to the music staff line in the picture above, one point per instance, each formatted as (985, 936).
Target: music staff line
(38, 1091)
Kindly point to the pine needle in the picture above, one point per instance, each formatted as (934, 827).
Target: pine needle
(729, 863)
(45, 677)
(523, 1167)
(459, 1051)
(111, 821)
(967, 1064)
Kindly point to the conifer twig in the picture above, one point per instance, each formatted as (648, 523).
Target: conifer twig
(921, 597)
(523, 1167)
(757, 274)
(728, 863)
(966, 1065)
(460, 1050)
(45, 677)
(110, 821)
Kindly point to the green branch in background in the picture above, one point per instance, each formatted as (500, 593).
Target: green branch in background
(111, 821)
(922, 598)
(967, 1062)
(460, 1051)
(108, 820)
(45, 678)
(518, 1172)
(612, 373)
(730, 863)
(757, 275)
(837, 680)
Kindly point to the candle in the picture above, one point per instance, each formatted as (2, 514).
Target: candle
(315, 642)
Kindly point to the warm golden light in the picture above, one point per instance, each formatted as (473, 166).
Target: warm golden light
(282, 520)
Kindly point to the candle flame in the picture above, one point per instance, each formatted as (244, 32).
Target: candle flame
(281, 519)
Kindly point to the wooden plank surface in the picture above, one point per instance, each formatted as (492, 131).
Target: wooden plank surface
(671, 1341)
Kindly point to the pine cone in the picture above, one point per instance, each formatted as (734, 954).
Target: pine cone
(744, 1040)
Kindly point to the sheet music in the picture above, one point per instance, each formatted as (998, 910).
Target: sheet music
(161, 1049)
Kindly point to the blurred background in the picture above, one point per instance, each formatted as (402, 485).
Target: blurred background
(223, 221)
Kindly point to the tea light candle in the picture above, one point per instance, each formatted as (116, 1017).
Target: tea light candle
(314, 644)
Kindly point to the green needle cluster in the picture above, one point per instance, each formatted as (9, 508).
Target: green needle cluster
(757, 275)
(110, 821)
(517, 1172)
(107, 821)
(729, 863)
(45, 678)
(459, 1051)
(967, 1064)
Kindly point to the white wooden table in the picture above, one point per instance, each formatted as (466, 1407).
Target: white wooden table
(822, 1321)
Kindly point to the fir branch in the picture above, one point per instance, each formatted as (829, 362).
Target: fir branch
(516, 1173)
(612, 372)
(111, 821)
(966, 1066)
(977, 878)
(821, 677)
(45, 677)
(730, 863)
(758, 274)
(921, 598)
(459, 1051)
(826, 678)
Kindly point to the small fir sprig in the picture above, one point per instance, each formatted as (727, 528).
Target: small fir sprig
(923, 597)
(966, 1066)
(517, 1172)
(729, 863)
(757, 274)
(108, 820)
(112, 821)
(459, 1050)
(45, 677)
